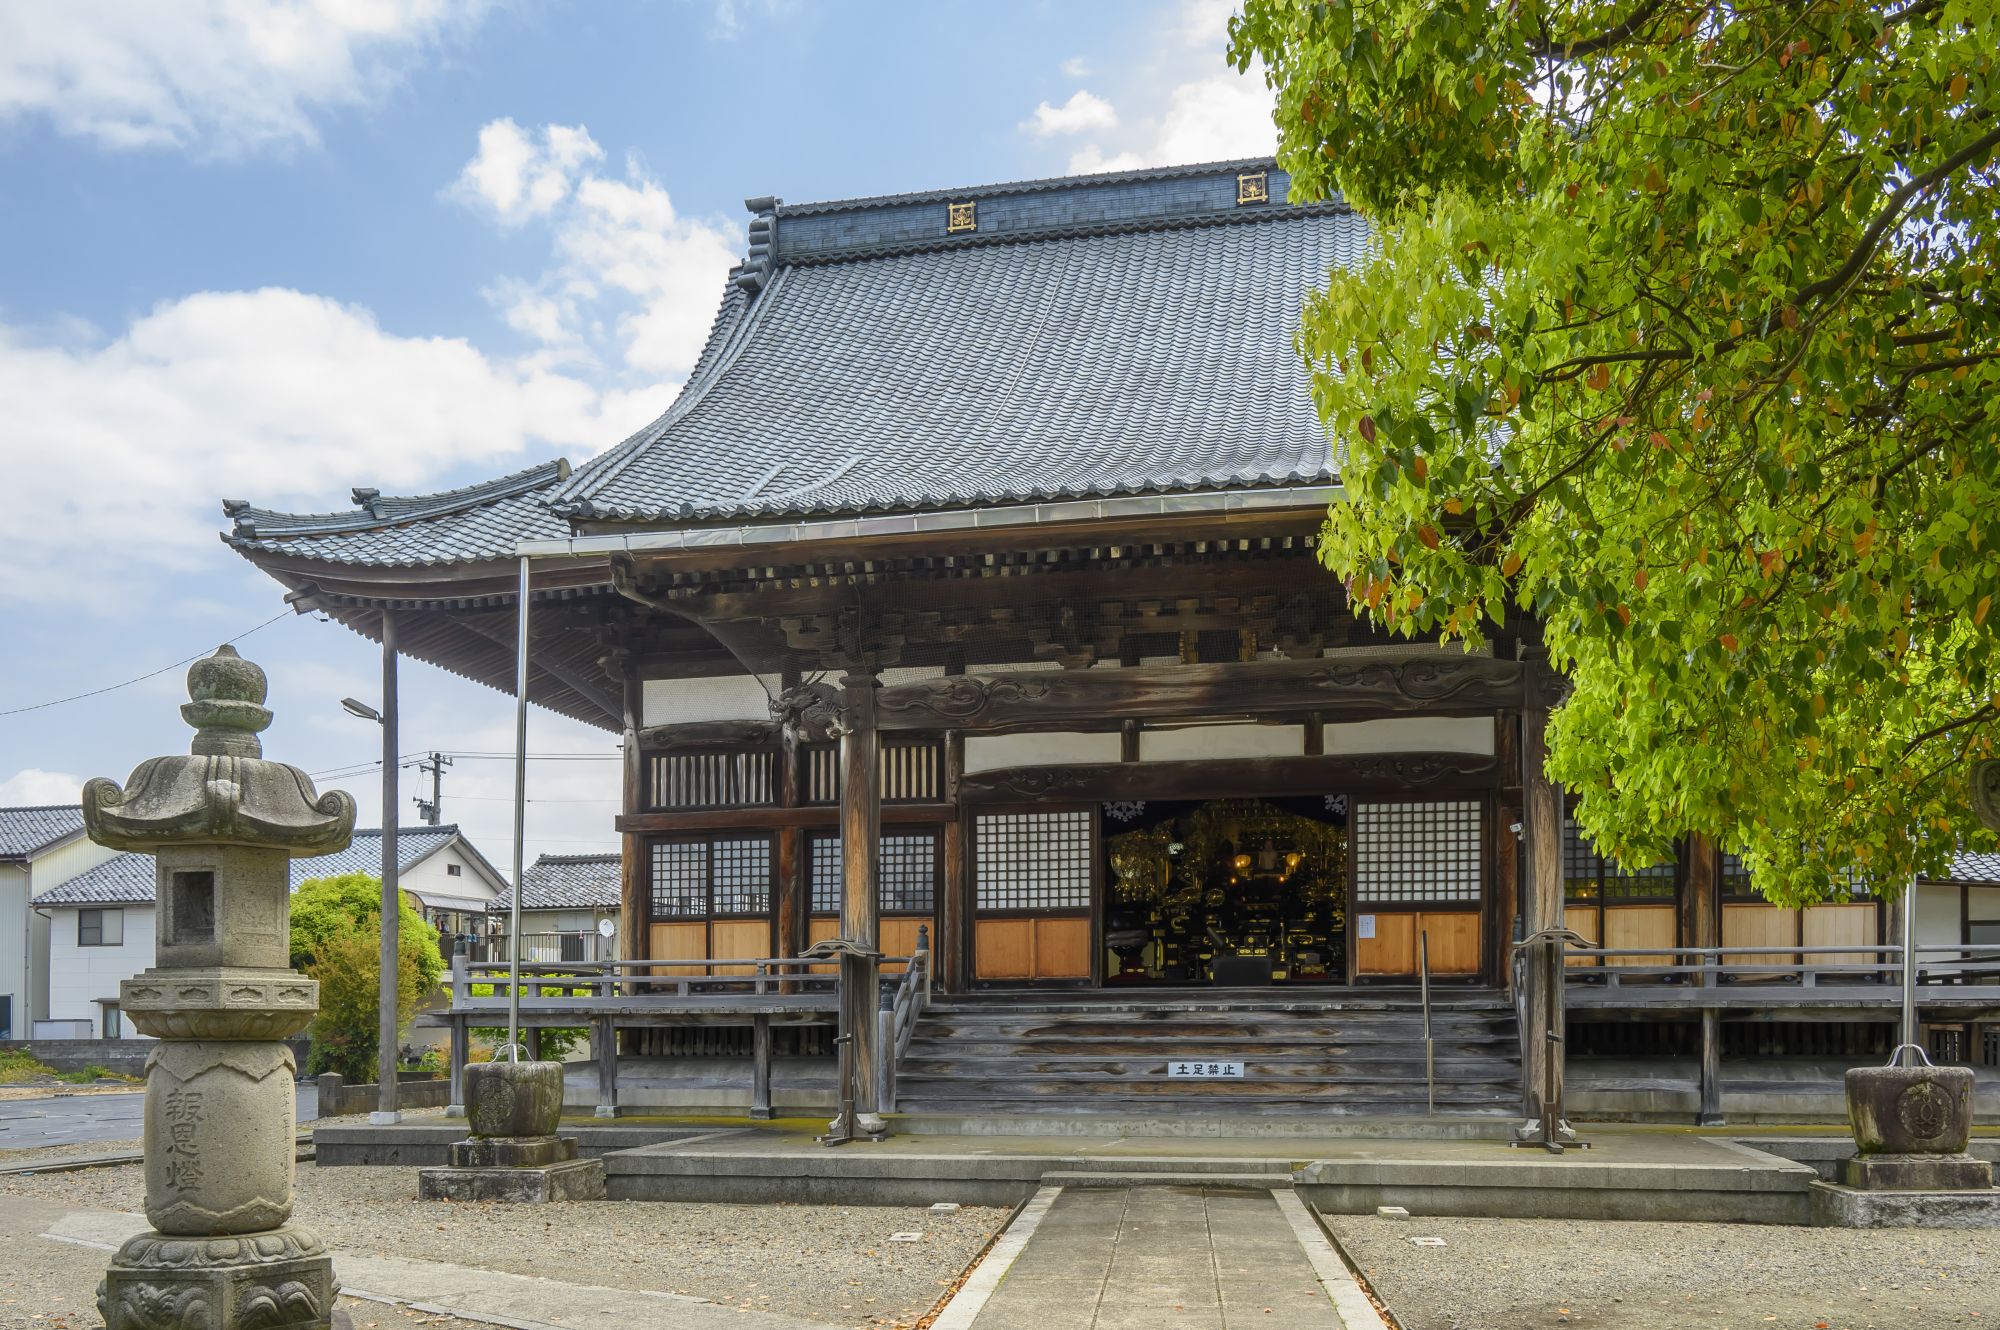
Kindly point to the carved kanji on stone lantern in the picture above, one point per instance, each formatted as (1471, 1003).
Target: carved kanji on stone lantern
(223, 825)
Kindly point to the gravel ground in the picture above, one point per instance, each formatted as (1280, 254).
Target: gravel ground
(1502, 1274)
(827, 1263)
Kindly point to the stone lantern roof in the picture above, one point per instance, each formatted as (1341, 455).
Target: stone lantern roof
(223, 791)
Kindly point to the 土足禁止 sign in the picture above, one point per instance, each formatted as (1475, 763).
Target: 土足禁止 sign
(1189, 1070)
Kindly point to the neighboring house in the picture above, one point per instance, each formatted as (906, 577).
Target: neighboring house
(566, 902)
(1964, 908)
(40, 847)
(99, 923)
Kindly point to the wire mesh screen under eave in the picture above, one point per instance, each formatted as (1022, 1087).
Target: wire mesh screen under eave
(1032, 861)
(906, 873)
(1416, 851)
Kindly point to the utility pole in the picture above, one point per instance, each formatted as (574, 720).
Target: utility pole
(433, 811)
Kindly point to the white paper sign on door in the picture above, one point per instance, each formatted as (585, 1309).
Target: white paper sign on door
(1364, 925)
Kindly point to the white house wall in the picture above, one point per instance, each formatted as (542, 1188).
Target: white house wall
(14, 947)
(24, 936)
(82, 978)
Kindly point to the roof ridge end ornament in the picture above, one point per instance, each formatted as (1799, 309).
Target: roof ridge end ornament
(761, 257)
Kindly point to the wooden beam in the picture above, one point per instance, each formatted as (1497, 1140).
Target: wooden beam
(1234, 776)
(711, 734)
(820, 818)
(1030, 701)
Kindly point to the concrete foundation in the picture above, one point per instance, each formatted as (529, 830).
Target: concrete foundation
(570, 1180)
(1835, 1206)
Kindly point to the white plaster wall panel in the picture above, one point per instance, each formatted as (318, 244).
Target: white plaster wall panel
(1937, 912)
(1216, 741)
(909, 674)
(81, 978)
(1414, 734)
(990, 752)
(1015, 667)
(685, 701)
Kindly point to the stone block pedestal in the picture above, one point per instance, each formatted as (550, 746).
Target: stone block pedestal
(514, 1153)
(1892, 1172)
(246, 1282)
(569, 1180)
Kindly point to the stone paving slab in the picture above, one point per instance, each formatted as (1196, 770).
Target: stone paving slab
(1145, 1257)
(521, 1302)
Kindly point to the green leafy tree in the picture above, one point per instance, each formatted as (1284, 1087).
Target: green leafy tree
(1680, 332)
(336, 938)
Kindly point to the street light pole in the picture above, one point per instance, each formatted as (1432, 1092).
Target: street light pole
(385, 1104)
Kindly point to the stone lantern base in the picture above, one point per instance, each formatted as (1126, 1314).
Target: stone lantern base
(281, 1279)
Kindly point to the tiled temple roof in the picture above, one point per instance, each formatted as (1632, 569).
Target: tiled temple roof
(1128, 333)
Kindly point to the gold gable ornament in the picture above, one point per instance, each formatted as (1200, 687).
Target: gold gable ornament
(1253, 187)
(961, 217)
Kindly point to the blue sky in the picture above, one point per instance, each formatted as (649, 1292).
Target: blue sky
(277, 251)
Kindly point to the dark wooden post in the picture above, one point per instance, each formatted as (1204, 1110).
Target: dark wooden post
(634, 907)
(760, 1067)
(1701, 926)
(1315, 742)
(860, 919)
(1541, 894)
(1506, 844)
(793, 905)
(605, 1038)
(1128, 741)
(955, 913)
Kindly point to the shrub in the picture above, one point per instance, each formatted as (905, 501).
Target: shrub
(337, 939)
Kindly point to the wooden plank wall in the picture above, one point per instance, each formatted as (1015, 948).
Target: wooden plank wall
(1454, 943)
(1046, 948)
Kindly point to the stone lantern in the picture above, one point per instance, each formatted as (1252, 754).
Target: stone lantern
(223, 825)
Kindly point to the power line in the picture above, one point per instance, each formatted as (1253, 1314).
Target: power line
(112, 688)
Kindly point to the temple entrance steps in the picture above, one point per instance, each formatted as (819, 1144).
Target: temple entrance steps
(1028, 1053)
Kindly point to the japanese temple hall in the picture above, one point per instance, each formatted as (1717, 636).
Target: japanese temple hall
(969, 586)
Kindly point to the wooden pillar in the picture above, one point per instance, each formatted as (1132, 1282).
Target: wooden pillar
(1506, 907)
(1710, 1112)
(1315, 744)
(1701, 904)
(794, 906)
(1541, 892)
(605, 1041)
(955, 913)
(1128, 741)
(760, 1068)
(860, 919)
(634, 904)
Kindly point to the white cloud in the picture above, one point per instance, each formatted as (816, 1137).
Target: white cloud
(1083, 113)
(222, 76)
(1076, 67)
(636, 282)
(1207, 112)
(35, 786)
(118, 452)
(517, 177)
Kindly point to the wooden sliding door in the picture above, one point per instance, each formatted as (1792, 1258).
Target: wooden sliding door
(1033, 881)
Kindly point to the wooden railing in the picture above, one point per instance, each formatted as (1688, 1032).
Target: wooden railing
(899, 1018)
(588, 986)
(1807, 967)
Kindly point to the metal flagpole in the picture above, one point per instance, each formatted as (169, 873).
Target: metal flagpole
(520, 821)
(1909, 1039)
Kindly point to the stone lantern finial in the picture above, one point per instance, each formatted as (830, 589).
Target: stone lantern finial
(227, 708)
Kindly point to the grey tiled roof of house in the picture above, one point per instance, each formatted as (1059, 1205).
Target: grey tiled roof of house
(127, 879)
(567, 882)
(27, 829)
(1126, 333)
(1975, 866)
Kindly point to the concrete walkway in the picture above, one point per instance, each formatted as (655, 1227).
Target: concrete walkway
(1138, 1258)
